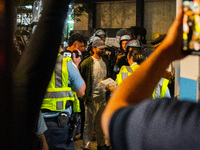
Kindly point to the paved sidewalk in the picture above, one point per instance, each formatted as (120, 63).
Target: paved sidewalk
(79, 144)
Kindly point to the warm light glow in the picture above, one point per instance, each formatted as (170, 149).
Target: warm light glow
(2, 7)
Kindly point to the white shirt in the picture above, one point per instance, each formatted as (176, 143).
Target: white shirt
(99, 72)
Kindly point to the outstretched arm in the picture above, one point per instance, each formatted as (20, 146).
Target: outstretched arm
(138, 86)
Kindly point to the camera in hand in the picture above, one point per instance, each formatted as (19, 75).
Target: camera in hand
(70, 54)
(76, 53)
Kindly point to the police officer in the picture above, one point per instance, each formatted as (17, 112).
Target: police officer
(61, 102)
(120, 59)
(134, 58)
(76, 42)
(101, 33)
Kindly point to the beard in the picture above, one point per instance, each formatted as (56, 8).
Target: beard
(101, 53)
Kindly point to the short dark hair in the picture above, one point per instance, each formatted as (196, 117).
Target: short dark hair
(76, 37)
(137, 55)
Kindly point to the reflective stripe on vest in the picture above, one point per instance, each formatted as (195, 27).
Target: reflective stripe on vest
(163, 89)
(58, 92)
(125, 72)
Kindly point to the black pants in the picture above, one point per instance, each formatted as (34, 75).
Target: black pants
(57, 137)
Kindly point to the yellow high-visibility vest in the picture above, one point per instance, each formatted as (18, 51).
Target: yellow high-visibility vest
(125, 71)
(163, 89)
(58, 91)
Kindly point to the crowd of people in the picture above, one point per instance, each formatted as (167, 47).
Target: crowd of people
(76, 98)
(136, 113)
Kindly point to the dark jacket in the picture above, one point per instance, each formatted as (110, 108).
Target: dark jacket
(86, 69)
(117, 66)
